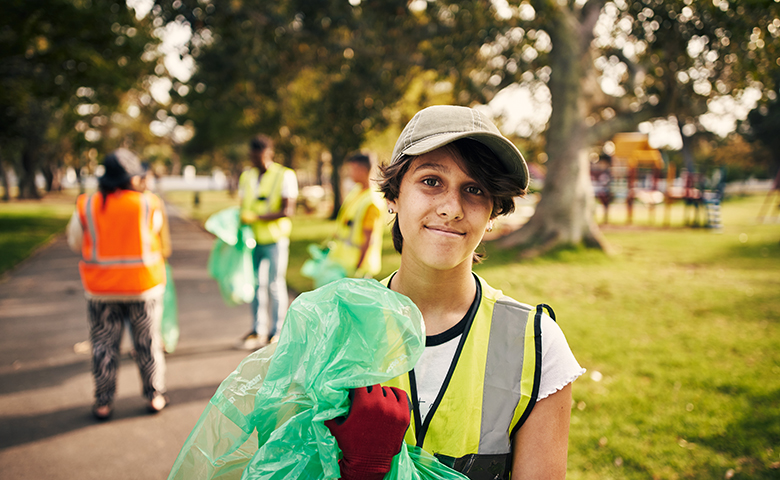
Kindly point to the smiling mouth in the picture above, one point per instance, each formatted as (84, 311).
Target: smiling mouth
(445, 230)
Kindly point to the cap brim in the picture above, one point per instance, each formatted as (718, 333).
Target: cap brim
(506, 151)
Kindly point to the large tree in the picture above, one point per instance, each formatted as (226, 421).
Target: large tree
(325, 70)
(763, 127)
(616, 64)
(64, 65)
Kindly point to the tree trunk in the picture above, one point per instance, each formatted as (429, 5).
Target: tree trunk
(565, 213)
(27, 187)
(4, 179)
(337, 159)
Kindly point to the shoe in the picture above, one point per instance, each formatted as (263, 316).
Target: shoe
(83, 348)
(252, 341)
(157, 403)
(102, 412)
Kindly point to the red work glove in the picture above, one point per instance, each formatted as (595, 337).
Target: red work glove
(372, 432)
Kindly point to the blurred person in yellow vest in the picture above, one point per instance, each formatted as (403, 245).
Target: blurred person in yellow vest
(357, 243)
(269, 193)
(117, 231)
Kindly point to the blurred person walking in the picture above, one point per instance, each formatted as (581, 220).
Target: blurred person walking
(269, 193)
(357, 243)
(117, 231)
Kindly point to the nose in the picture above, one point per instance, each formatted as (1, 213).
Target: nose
(450, 205)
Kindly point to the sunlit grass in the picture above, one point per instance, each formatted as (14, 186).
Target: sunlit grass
(678, 330)
(679, 333)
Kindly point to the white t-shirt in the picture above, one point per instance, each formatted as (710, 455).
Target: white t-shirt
(559, 367)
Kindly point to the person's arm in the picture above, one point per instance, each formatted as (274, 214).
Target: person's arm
(165, 235)
(287, 210)
(289, 201)
(541, 445)
(369, 220)
(75, 233)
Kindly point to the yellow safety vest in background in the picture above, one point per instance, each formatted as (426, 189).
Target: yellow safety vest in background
(345, 248)
(121, 254)
(489, 393)
(262, 198)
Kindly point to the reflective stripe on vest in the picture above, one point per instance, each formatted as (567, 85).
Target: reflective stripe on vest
(130, 261)
(147, 256)
(495, 378)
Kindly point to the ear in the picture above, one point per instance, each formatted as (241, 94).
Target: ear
(391, 206)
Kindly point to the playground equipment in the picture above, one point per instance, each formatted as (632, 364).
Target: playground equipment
(634, 173)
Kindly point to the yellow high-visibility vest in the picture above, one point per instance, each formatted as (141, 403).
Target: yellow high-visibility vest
(349, 237)
(489, 390)
(263, 197)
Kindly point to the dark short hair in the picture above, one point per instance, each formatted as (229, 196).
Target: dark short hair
(360, 158)
(479, 162)
(260, 143)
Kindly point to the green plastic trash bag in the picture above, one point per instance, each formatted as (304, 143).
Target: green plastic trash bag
(225, 224)
(230, 261)
(169, 325)
(320, 268)
(266, 419)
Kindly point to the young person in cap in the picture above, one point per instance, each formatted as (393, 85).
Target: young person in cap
(268, 193)
(491, 395)
(117, 231)
(357, 243)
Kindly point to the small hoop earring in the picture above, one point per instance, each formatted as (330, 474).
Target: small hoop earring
(390, 211)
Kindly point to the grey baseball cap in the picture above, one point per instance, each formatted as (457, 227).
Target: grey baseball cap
(436, 126)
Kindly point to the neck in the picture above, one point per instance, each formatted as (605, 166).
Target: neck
(442, 297)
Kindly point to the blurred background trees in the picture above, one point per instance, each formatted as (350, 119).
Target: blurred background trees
(66, 67)
(190, 81)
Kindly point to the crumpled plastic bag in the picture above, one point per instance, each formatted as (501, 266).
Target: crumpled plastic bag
(230, 260)
(169, 325)
(321, 269)
(266, 419)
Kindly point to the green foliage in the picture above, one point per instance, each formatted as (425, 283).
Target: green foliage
(57, 56)
(763, 124)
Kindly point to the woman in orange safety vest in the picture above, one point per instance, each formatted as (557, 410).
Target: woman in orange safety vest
(117, 232)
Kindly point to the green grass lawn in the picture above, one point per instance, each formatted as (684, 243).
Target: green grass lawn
(679, 333)
(27, 224)
(678, 330)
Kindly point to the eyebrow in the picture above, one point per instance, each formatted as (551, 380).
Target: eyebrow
(433, 166)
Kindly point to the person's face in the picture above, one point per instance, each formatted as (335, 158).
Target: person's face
(357, 172)
(442, 212)
(261, 159)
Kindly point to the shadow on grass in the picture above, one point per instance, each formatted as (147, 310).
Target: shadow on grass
(757, 252)
(495, 256)
(753, 433)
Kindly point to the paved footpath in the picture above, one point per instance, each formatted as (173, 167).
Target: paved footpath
(46, 427)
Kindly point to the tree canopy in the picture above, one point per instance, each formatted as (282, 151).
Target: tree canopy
(65, 66)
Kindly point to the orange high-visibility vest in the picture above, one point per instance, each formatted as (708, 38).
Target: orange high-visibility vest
(121, 254)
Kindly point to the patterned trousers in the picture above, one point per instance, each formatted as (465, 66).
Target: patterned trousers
(106, 324)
